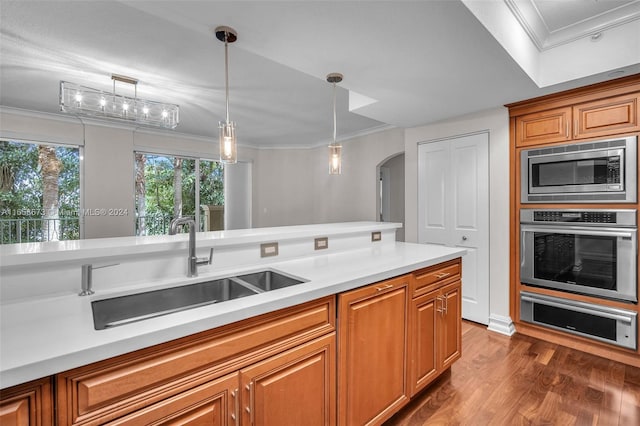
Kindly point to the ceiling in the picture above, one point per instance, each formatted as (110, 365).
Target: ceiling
(405, 63)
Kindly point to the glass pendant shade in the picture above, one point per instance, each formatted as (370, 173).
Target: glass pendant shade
(228, 152)
(335, 159)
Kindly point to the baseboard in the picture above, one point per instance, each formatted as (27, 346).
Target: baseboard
(502, 325)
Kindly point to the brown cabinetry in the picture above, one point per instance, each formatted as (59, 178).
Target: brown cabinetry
(29, 404)
(293, 388)
(372, 352)
(606, 117)
(181, 372)
(544, 127)
(593, 113)
(435, 335)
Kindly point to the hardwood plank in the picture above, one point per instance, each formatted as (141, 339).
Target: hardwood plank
(521, 380)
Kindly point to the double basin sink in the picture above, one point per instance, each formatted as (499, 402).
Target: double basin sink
(123, 310)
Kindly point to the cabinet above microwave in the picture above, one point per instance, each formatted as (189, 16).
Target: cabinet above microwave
(592, 172)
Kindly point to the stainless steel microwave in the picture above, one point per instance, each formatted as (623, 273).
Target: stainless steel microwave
(590, 172)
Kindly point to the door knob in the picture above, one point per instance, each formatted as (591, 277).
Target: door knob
(464, 238)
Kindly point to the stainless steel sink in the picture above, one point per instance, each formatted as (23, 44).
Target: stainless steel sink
(268, 280)
(123, 310)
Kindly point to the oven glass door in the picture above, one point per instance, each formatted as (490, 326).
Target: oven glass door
(592, 261)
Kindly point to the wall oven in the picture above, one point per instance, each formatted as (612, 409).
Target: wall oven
(591, 252)
(590, 172)
(603, 323)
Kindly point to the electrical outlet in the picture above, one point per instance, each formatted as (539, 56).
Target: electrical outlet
(376, 236)
(321, 243)
(268, 249)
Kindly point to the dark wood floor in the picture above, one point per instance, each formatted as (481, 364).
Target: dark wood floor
(525, 381)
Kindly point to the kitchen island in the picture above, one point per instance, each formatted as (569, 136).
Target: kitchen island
(47, 329)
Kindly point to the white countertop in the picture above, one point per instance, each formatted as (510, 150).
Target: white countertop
(45, 336)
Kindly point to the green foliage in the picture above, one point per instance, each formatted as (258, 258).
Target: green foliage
(21, 194)
(159, 173)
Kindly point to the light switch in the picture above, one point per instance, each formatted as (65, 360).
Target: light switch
(268, 249)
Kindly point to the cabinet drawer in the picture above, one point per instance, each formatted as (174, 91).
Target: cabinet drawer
(213, 403)
(428, 279)
(606, 117)
(110, 389)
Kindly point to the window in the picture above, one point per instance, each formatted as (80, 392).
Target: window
(39, 192)
(167, 187)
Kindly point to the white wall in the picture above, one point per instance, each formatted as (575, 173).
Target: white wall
(293, 186)
(496, 121)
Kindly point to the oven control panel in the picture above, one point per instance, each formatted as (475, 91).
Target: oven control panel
(597, 217)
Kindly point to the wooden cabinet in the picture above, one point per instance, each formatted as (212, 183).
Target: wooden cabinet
(29, 404)
(182, 371)
(544, 127)
(213, 403)
(605, 117)
(293, 388)
(372, 352)
(435, 321)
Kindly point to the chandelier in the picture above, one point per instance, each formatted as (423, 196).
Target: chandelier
(82, 100)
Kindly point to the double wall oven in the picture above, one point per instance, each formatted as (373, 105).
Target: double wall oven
(584, 251)
(589, 252)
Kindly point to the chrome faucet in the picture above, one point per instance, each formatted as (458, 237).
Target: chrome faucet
(192, 260)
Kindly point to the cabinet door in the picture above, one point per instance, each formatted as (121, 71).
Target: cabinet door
(543, 127)
(423, 366)
(30, 404)
(372, 352)
(449, 325)
(214, 403)
(606, 116)
(296, 387)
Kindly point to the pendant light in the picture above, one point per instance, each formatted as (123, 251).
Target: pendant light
(335, 149)
(228, 149)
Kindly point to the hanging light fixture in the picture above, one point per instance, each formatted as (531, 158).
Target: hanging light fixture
(81, 100)
(228, 150)
(335, 149)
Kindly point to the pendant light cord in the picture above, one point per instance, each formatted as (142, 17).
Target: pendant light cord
(334, 113)
(226, 71)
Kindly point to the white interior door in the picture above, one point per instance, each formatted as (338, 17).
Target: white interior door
(237, 196)
(453, 210)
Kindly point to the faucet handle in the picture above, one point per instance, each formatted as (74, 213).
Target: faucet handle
(205, 260)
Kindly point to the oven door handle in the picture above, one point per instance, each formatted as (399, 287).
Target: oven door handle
(605, 232)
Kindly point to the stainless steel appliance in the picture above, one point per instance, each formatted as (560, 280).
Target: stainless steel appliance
(590, 172)
(592, 252)
(603, 323)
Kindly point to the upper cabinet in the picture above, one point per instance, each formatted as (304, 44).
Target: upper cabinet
(543, 127)
(602, 110)
(606, 117)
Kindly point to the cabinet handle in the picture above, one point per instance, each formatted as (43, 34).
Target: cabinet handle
(235, 416)
(566, 129)
(442, 275)
(249, 409)
(384, 287)
(445, 303)
(441, 308)
(575, 129)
